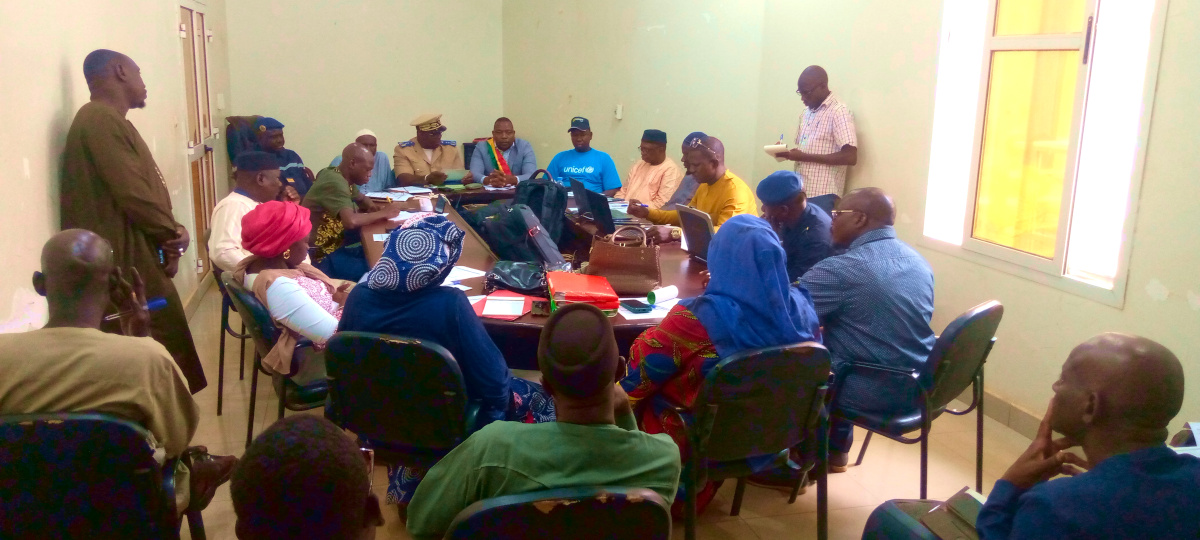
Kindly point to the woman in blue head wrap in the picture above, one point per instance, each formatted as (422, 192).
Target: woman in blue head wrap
(403, 295)
(748, 304)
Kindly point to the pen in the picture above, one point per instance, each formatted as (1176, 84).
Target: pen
(153, 304)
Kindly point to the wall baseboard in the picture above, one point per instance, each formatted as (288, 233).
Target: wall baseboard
(1005, 412)
(193, 302)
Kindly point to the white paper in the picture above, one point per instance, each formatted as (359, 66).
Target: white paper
(417, 190)
(474, 299)
(381, 237)
(462, 288)
(490, 188)
(773, 149)
(504, 307)
(459, 273)
(662, 295)
(381, 195)
(402, 216)
(660, 310)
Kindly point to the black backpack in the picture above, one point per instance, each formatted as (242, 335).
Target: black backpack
(547, 199)
(516, 234)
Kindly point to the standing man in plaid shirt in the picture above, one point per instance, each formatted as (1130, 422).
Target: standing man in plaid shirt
(826, 143)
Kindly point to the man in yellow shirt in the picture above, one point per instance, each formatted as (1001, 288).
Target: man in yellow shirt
(721, 193)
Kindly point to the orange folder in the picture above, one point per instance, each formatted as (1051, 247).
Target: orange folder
(568, 288)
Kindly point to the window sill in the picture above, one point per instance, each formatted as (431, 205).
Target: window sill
(1114, 297)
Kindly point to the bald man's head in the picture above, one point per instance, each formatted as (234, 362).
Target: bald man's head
(1119, 385)
(706, 160)
(813, 86)
(115, 76)
(76, 267)
(861, 211)
(357, 163)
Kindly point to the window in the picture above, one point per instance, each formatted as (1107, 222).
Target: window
(1040, 115)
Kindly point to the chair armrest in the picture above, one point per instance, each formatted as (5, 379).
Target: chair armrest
(168, 485)
(471, 416)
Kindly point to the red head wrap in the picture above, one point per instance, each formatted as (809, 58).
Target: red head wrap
(273, 226)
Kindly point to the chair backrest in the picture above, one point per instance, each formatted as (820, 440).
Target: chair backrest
(240, 135)
(581, 513)
(825, 202)
(258, 320)
(401, 392)
(959, 353)
(765, 400)
(79, 476)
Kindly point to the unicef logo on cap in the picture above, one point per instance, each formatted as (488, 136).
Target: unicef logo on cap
(590, 170)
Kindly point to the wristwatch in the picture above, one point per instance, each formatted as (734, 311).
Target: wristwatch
(676, 233)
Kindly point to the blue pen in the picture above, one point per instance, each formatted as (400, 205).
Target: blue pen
(153, 304)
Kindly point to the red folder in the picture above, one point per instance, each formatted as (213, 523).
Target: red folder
(502, 293)
(568, 288)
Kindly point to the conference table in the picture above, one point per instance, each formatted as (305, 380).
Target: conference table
(518, 339)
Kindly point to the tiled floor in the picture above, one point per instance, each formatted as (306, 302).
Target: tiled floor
(890, 470)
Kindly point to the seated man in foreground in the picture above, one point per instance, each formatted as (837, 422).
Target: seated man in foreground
(875, 300)
(304, 478)
(335, 203)
(71, 366)
(655, 177)
(721, 193)
(382, 177)
(803, 228)
(595, 441)
(1115, 397)
(503, 160)
(425, 158)
(595, 169)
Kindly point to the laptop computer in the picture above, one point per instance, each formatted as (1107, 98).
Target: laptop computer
(697, 231)
(593, 206)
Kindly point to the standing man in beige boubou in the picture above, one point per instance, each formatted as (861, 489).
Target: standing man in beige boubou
(111, 186)
(826, 141)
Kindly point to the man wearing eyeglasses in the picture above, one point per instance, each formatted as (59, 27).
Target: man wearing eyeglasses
(826, 142)
(721, 193)
(654, 177)
(875, 301)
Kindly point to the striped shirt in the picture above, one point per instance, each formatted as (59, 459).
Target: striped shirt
(824, 131)
(875, 301)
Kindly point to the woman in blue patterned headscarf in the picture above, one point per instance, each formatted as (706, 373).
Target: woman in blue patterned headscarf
(403, 295)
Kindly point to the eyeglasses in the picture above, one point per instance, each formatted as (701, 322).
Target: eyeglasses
(837, 213)
(697, 143)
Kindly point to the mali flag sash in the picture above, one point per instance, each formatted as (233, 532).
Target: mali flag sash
(497, 157)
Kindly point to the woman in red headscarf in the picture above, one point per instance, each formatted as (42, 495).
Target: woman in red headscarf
(301, 299)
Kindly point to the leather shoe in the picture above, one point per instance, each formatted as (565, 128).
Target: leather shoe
(782, 478)
(838, 461)
(208, 472)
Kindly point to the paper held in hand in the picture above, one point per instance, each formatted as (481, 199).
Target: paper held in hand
(773, 149)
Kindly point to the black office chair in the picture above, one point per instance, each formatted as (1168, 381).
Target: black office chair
(403, 397)
(468, 151)
(957, 360)
(825, 202)
(304, 387)
(578, 513)
(69, 475)
(756, 403)
(242, 336)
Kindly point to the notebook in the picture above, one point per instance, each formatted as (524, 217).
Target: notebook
(697, 231)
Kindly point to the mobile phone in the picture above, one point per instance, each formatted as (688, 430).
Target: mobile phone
(441, 205)
(637, 306)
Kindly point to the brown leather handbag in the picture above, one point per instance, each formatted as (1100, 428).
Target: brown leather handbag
(629, 262)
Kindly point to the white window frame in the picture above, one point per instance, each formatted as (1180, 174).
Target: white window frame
(1052, 271)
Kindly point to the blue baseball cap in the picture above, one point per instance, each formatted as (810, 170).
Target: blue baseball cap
(779, 187)
(580, 123)
(267, 123)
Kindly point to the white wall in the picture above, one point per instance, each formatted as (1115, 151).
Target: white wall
(42, 46)
(329, 69)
